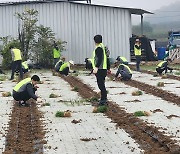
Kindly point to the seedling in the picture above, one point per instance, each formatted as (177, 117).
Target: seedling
(6, 94)
(63, 113)
(155, 75)
(160, 84)
(141, 113)
(92, 99)
(46, 104)
(75, 88)
(137, 93)
(59, 114)
(100, 109)
(53, 96)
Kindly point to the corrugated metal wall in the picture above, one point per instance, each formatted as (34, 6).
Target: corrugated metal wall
(77, 24)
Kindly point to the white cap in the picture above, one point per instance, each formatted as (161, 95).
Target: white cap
(71, 62)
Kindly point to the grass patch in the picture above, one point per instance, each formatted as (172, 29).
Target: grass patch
(2, 78)
(92, 99)
(63, 113)
(100, 109)
(46, 104)
(59, 114)
(75, 88)
(137, 93)
(177, 73)
(160, 84)
(141, 113)
(53, 96)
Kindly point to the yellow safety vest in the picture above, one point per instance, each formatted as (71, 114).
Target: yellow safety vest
(137, 52)
(25, 65)
(17, 54)
(63, 66)
(127, 67)
(94, 58)
(161, 64)
(20, 87)
(123, 59)
(56, 53)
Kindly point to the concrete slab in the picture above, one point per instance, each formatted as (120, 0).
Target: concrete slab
(122, 95)
(65, 137)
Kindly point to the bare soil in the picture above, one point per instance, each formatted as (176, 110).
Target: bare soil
(149, 138)
(25, 133)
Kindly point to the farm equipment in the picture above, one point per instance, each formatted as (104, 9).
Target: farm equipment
(174, 45)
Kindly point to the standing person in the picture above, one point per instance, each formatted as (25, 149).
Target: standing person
(25, 90)
(17, 62)
(163, 66)
(99, 63)
(65, 68)
(137, 53)
(125, 72)
(56, 53)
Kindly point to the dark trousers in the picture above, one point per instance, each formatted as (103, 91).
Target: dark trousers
(65, 71)
(161, 69)
(22, 96)
(56, 60)
(125, 75)
(16, 65)
(100, 76)
(138, 61)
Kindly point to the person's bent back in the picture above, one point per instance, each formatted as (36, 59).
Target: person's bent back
(25, 89)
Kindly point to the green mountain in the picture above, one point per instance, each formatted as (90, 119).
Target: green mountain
(168, 17)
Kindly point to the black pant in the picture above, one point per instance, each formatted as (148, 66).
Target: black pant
(125, 75)
(65, 71)
(16, 65)
(100, 76)
(22, 96)
(161, 69)
(138, 61)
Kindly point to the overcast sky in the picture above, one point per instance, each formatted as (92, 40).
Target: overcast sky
(149, 5)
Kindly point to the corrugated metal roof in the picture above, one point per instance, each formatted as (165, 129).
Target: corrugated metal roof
(132, 10)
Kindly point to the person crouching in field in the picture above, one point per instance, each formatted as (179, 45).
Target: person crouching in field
(88, 64)
(59, 64)
(125, 72)
(65, 68)
(25, 90)
(163, 66)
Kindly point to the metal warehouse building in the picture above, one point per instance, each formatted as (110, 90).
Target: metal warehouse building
(76, 23)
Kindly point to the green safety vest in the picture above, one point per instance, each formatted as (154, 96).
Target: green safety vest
(126, 68)
(21, 86)
(137, 52)
(94, 58)
(17, 54)
(56, 53)
(89, 59)
(123, 59)
(161, 64)
(63, 66)
(25, 65)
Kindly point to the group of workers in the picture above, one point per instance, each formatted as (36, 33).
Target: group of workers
(99, 65)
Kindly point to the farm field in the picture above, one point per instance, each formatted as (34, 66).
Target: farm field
(117, 130)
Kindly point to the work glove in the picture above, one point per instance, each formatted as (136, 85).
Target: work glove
(95, 70)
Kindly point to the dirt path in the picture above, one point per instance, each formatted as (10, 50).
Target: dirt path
(147, 136)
